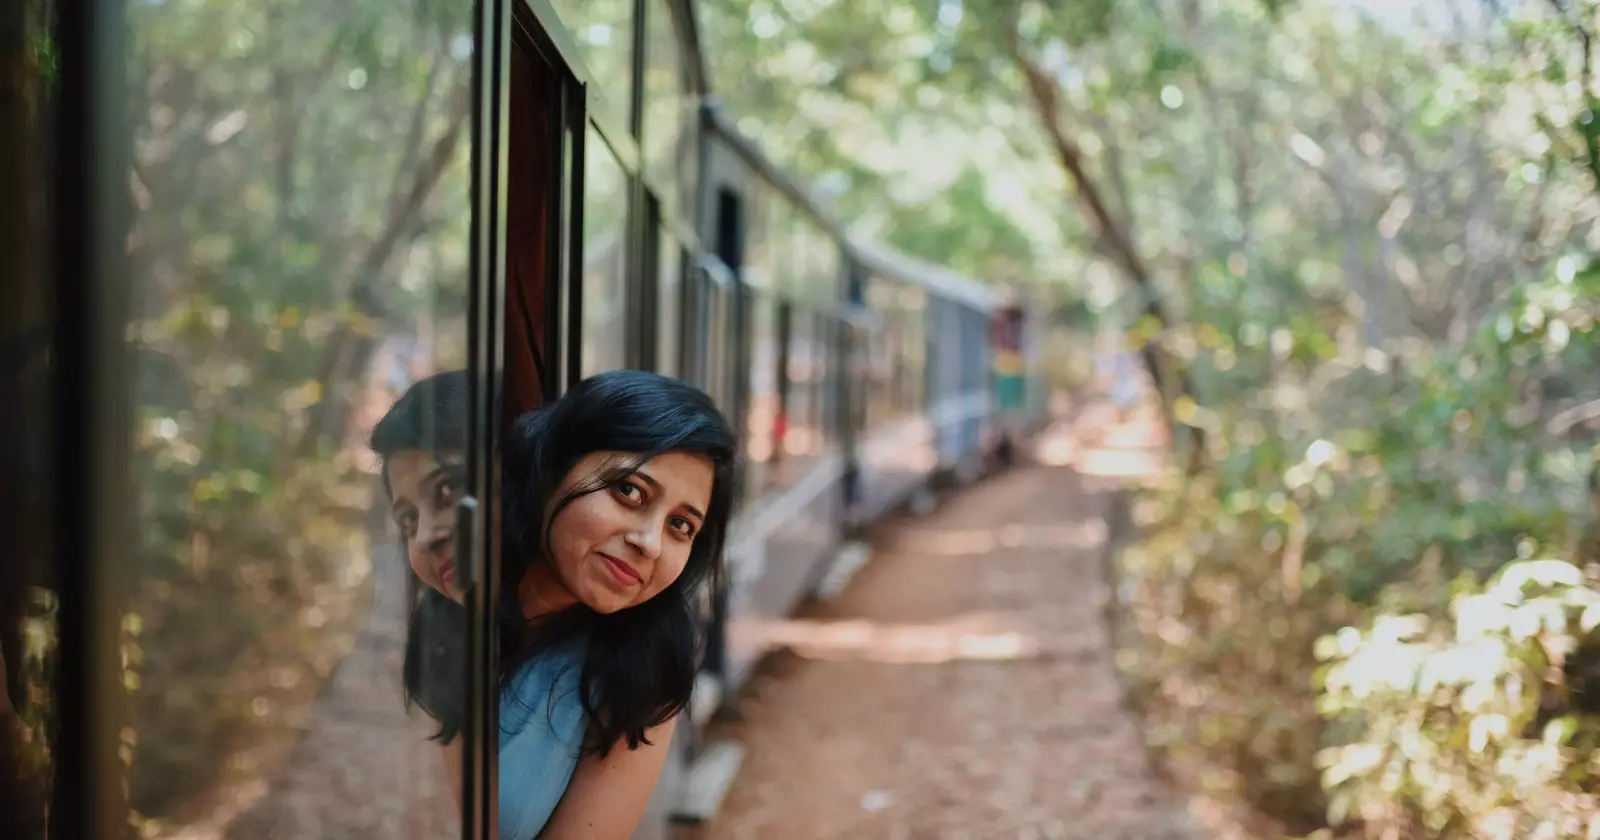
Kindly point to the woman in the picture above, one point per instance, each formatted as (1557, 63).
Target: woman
(616, 501)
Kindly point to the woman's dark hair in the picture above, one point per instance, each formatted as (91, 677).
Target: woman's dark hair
(432, 416)
(639, 663)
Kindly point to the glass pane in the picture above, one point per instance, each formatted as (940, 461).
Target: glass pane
(719, 360)
(604, 32)
(829, 346)
(762, 414)
(298, 255)
(883, 361)
(667, 140)
(808, 245)
(28, 578)
(780, 235)
(826, 268)
(605, 228)
(914, 350)
(758, 255)
(668, 328)
(800, 433)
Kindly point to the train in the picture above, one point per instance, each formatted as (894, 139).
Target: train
(568, 196)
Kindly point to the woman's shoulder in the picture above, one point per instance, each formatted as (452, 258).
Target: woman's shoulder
(546, 685)
(542, 726)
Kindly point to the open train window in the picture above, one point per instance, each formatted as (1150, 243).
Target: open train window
(730, 229)
(537, 134)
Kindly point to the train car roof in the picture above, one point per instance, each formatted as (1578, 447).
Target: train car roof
(904, 268)
(880, 259)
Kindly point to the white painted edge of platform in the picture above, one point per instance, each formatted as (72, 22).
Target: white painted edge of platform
(922, 502)
(847, 561)
(708, 780)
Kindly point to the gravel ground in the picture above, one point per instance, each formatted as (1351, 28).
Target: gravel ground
(966, 689)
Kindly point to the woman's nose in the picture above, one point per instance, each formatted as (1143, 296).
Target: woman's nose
(435, 533)
(646, 541)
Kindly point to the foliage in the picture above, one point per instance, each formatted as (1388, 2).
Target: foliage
(1456, 735)
(1405, 475)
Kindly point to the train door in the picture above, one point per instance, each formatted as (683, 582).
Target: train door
(274, 348)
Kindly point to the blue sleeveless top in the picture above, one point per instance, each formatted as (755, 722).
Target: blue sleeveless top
(541, 735)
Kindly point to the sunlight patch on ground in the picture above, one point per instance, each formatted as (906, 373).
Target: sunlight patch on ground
(979, 541)
(1113, 463)
(985, 637)
(1057, 450)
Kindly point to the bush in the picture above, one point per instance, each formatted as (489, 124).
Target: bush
(1465, 727)
(1352, 487)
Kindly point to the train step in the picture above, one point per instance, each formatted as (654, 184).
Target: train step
(705, 700)
(846, 562)
(707, 781)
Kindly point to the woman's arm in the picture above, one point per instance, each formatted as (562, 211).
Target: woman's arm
(451, 753)
(607, 796)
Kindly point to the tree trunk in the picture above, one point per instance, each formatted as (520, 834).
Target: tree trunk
(1170, 375)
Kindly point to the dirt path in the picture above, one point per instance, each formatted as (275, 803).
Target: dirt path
(961, 686)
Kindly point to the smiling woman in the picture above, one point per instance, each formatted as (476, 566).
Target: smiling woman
(616, 500)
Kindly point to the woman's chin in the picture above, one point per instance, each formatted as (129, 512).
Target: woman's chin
(605, 604)
(603, 600)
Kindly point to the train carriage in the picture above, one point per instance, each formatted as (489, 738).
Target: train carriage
(566, 198)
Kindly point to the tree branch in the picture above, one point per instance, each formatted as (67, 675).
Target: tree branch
(350, 347)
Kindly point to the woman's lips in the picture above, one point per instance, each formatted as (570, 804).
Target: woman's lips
(622, 572)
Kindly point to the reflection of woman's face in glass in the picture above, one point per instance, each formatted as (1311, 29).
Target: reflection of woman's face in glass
(423, 493)
(620, 546)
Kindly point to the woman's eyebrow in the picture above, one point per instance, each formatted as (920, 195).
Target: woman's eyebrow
(651, 480)
(421, 482)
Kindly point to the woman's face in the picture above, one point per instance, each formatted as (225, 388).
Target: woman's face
(423, 493)
(620, 546)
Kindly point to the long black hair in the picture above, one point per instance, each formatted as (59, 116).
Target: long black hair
(432, 416)
(639, 663)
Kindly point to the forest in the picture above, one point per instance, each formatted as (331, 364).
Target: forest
(1352, 244)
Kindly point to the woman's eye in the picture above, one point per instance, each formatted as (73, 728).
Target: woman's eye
(446, 491)
(408, 525)
(628, 490)
(683, 526)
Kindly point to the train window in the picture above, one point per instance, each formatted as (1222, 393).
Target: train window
(914, 349)
(30, 574)
(763, 409)
(814, 277)
(669, 305)
(603, 30)
(883, 355)
(801, 438)
(780, 235)
(299, 254)
(532, 230)
(719, 340)
(758, 268)
(830, 348)
(605, 239)
(668, 108)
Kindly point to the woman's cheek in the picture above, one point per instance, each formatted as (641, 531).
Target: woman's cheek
(668, 574)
